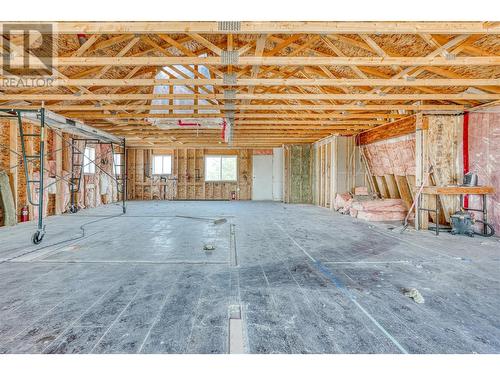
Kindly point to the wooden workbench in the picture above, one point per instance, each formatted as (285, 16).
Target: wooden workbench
(455, 190)
(458, 190)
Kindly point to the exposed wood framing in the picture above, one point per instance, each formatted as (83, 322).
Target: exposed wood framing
(298, 77)
(289, 27)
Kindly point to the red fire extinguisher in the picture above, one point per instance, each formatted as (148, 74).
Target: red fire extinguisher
(24, 214)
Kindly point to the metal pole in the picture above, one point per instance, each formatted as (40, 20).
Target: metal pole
(485, 215)
(124, 177)
(437, 214)
(42, 157)
(25, 159)
(72, 187)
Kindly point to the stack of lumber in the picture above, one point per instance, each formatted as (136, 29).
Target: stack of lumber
(379, 210)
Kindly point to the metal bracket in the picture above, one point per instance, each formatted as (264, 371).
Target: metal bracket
(450, 56)
(229, 94)
(229, 106)
(229, 25)
(229, 79)
(229, 57)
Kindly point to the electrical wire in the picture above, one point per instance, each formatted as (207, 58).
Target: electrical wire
(81, 236)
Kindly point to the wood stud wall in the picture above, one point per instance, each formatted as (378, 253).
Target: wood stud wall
(323, 164)
(57, 151)
(390, 154)
(338, 169)
(187, 181)
(399, 158)
(444, 152)
(12, 162)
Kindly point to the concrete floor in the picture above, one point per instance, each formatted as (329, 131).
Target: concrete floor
(306, 280)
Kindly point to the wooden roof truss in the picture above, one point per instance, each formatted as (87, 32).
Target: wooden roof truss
(290, 82)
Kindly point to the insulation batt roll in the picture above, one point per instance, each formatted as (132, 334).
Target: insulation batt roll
(52, 187)
(380, 205)
(104, 183)
(341, 200)
(381, 215)
(90, 191)
(379, 210)
(66, 190)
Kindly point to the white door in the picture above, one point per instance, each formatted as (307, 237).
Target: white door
(262, 187)
(278, 174)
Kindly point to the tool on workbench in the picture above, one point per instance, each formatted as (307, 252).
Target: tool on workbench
(470, 179)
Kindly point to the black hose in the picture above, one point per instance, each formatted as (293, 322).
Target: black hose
(492, 230)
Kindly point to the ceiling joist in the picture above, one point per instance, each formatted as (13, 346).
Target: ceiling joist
(284, 27)
(282, 82)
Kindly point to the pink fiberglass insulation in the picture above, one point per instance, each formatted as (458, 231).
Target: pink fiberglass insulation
(92, 194)
(105, 184)
(374, 159)
(34, 189)
(385, 158)
(341, 200)
(407, 155)
(392, 156)
(379, 210)
(394, 153)
(484, 159)
(79, 159)
(379, 205)
(51, 166)
(104, 159)
(361, 190)
(65, 190)
(381, 215)
(91, 185)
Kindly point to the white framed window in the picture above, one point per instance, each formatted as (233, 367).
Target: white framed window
(117, 158)
(89, 160)
(162, 164)
(221, 168)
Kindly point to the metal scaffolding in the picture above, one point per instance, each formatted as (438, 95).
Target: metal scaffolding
(77, 169)
(91, 136)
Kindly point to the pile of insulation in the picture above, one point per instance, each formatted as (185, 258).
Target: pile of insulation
(363, 206)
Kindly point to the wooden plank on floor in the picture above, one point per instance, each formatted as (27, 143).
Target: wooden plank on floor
(404, 190)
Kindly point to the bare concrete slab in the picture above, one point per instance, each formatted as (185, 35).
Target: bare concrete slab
(307, 281)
